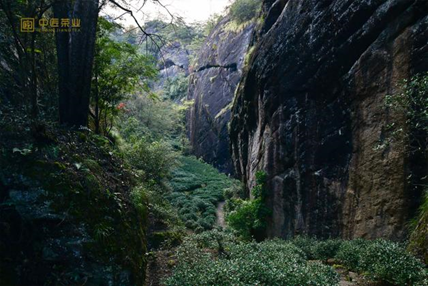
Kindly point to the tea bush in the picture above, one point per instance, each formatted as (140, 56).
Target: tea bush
(382, 260)
(350, 251)
(326, 249)
(390, 262)
(306, 244)
(272, 262)
(197, 189)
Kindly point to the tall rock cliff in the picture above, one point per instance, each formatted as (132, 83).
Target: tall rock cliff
(212, 85)
(310, 112)
(174, 62)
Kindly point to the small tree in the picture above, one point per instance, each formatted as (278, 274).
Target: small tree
(119, 70)
(244, 10)
(249, 218)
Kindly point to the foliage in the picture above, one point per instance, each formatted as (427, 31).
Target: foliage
(388, 261)
(151, 136)
(350, 251)
(244, 10)
(154, 159)
(197, 188)
(28, 73)
(189, 35)
(419, 236)
(326, 249)
(306, 244)
(153, 119)
(139, 199)
(380, 259)
(79, 181)
(249, 216)
(118, 71)
(176, 88)
(231, 262)
(412, 101)
(210, 24)
(317, 249)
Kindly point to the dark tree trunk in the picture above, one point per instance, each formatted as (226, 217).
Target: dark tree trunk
(33, 82)
(75, 57)
(97, 109)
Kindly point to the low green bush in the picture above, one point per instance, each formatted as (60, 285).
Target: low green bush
(390, 262)
(326, 249)
(197, 189)
(154, 159)
(272, 262)
(249, 216)
(418, 244)
(382, 260)
(350, 251)
(317, 249)
(306, 244)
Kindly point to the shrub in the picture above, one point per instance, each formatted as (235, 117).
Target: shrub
(389, 261)
(176, 89)
(272, 262)
(249, 216)
(212, 239)
(154, 159)
(139, 200)
(249, 220)
(317, 249)
(306, 244)
(244, 10)
(197, 189)
(349, 253)
(419, 236)
(326, 249)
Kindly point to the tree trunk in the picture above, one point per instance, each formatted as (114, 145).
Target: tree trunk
(33, 82)
(75, 58)
(97, 109)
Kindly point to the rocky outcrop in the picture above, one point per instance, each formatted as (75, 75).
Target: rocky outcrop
(66, 212)
(310, 112)
(212, 86)
(173, 63)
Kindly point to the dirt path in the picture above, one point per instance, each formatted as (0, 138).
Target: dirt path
(220, 215)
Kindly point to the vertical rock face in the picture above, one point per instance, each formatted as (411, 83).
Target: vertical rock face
(212, 86)
(173, 63)
(310, 112)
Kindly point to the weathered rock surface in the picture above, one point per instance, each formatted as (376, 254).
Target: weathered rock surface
(66, 216)
(212, 86)
(310, 112)
(174, 62)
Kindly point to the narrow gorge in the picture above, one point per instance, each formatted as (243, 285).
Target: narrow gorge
(214, 143)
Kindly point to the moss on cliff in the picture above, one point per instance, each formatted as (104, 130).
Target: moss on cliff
(72, 200)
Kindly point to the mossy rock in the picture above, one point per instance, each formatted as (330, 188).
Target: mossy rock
(104, 226)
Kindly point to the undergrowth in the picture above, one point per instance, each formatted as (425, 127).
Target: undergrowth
(380, 260)
(215, 258)
(197, 188)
